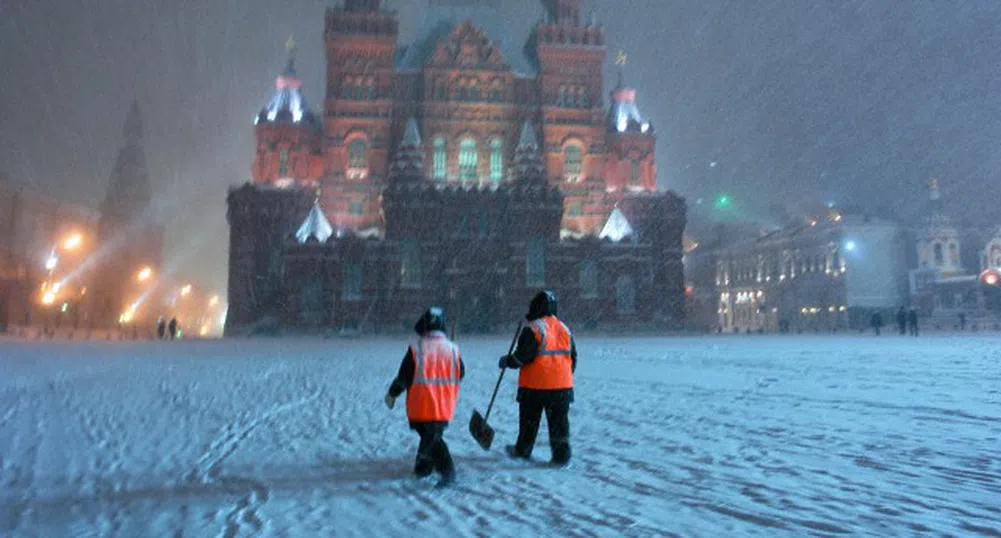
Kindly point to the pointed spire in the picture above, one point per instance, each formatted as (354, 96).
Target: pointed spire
(412, 135)
(316, 226)
(291, 47)
(409, 159)
(527, 158)
(528, 139)
(133, 130)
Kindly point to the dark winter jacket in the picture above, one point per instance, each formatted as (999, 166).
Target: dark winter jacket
(405, 376)
(524, 354)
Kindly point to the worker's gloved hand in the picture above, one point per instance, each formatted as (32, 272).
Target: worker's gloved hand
(502, 362)
(390, 401)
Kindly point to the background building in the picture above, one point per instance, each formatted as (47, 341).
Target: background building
(457, 169)
(43, 239)
(822, 276)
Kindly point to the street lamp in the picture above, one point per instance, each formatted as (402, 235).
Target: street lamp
(144, 274)
(186, 290)
(214, 300)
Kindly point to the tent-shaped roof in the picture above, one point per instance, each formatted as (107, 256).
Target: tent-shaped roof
(617, 227)
(316, 226)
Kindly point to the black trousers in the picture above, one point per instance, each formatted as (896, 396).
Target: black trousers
(557, 418)
(432, 452)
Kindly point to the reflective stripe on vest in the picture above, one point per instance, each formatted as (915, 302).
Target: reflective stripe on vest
(552, 368)
(437, 371)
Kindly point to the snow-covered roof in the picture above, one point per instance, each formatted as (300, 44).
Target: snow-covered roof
(617, 227)
(316, 226)
(441, 17)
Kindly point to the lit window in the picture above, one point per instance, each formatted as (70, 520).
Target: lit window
(440, 159)
(572, 162)
(496, 161)
(358, 154)
(468, 160)
(351, 281)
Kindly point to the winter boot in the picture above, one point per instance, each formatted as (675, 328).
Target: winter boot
(513, 452)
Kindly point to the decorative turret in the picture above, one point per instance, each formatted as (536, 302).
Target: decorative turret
(287, 105)
(564, 12)
(527, 158)
(631, 164)
(624, 115)
(408, 162)
(939, 241)
(288, 133)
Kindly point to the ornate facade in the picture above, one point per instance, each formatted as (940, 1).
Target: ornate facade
(454, 169)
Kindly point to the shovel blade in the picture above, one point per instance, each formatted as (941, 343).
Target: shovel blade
(482, 432)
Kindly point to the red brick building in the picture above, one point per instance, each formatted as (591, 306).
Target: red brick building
(463, 157)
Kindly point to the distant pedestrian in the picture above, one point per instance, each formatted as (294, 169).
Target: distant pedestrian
(902, 321)
(876, 322)
(172, 328)
(161, 328)
(912, 321)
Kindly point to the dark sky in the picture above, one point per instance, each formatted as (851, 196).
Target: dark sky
(800, 101)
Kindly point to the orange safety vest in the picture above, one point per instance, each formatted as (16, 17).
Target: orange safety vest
(552, 368)
(437, 372)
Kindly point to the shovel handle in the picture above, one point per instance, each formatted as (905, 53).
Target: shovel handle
(510, 350)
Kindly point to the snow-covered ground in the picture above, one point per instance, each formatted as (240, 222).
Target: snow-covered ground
(724, 436)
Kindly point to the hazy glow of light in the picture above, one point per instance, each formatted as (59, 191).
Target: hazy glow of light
(48, 298)
(51, 263)
(214, 300)
(850, 246)
(73, 242)
(144, 274)
(185, 290)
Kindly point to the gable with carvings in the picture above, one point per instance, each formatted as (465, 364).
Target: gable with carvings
(468, 47)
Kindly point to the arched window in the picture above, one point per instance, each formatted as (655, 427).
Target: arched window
(572, 162)
(589, 279)
(562, 99)
(474, 92)
(440, 159)
(954, 253)
(625, 295)
(496, 161)
(468, 160)
(939, 255)
(634, 172)
(572, 98)
(283, 163)
(410, 264)
(358, 155)
(585, 100)
(352, 277)
(370, 90)
(535, 263)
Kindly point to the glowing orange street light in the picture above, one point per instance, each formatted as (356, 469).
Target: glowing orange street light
(73, 241)
(48, 298)
(185, 290)
(144, 274)
(214, 300)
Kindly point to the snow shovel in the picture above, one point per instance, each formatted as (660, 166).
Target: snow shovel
(478, 426)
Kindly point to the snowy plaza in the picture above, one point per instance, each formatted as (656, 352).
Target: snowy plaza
(720, 436)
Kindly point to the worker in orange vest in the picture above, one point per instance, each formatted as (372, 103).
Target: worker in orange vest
(430, 374)
(547, 357)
